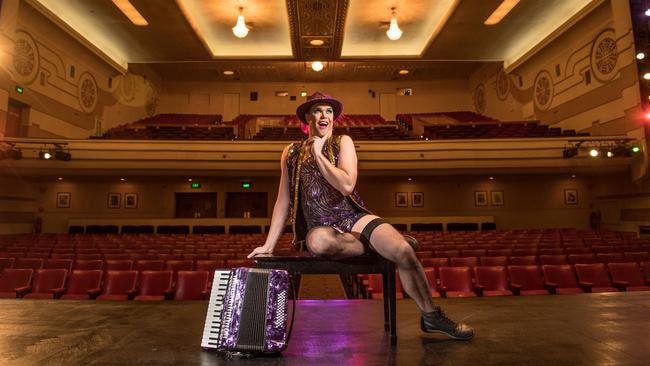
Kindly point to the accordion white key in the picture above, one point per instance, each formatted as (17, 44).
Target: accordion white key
(248, 311)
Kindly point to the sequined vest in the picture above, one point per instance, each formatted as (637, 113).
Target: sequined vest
(331, 149)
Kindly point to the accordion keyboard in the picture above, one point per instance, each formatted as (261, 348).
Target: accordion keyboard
(213, 321)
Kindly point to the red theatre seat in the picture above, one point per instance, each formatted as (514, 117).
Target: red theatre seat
(523, 260)
(492, 281)
(594, 278)
(83, 285)
(464, 261)
(118, 265)
(88, 264)
(376, 289)
(149, 265)
(561, 279)
(59, 263)
(430, 273)
(628, 276)
(456, 282)
(119, 285)
(527, 280)
(582, 258)
(494, 261)
(6, 263)
(155, 285)
(192, 285)
(553, 259)
(31, 263)
(637, 256)
(14, 281)
(48, 284)
(611, 257)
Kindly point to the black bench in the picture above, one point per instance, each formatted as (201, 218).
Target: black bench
(304, 264)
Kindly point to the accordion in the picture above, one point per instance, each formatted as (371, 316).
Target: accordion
(248, 311)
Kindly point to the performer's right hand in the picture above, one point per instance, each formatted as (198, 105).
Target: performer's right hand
(260, 250)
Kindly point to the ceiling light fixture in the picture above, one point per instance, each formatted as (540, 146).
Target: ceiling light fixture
(317, 42)
(499, 13)
(131, 12)
(317, 66)
(240, 30)
(403, 72)
(393, 32)
(229, 72)
(640, 55)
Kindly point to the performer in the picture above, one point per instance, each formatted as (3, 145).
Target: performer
(317, 190)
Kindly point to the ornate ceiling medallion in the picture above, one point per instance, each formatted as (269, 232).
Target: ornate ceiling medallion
(543, 90)
(25, 57)
(604, 56)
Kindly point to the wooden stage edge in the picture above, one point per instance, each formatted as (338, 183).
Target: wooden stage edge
(586, 329)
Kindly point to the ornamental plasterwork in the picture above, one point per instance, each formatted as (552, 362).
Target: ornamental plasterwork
(479, 99)
(87, 92)
(604, 56)
(25, 58)
(502, 84)
(543, 90)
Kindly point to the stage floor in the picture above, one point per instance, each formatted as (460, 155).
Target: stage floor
(588, 329)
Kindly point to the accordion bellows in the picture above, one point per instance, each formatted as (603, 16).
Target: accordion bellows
(248, 311)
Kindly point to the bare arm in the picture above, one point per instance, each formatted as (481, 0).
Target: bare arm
(280, 211)
(343, 177)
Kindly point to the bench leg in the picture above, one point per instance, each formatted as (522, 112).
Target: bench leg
(385, 284)
(391, 294)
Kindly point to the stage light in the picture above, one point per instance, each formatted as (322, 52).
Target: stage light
(635, 149)
(44, 155)
(570, 152)
(640, 56)
(647, 13)
(393, 33)
(594, 153)
(609, 154)
(646, 76)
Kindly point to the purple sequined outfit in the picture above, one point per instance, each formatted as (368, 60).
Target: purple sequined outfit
(322, 204)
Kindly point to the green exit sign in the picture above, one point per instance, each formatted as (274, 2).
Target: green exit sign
(196, 185)
(19, 89)
(246, 185)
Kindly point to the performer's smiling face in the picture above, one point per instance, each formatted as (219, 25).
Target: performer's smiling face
(321, 120)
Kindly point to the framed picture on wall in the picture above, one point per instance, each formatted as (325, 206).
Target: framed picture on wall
(570, 196)
(496, 198)
(401, 199)
(480, 198)
(114, 200)
(417, 199)
(63, 200)
(130, 200)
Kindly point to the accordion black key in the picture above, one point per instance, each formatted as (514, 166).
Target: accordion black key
(248, 311)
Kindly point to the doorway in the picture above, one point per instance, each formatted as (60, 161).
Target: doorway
(246, 204)
(196, 205)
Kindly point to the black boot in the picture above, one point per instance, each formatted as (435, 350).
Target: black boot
(413, 242)
(437, 322)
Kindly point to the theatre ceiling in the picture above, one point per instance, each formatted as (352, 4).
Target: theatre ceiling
(194, 40)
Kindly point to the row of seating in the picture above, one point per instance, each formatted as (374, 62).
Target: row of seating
(528, 280)
(638, 257)
(173, 265)
(356, 133)
(170, 133)
(489, 131)
(91, 284)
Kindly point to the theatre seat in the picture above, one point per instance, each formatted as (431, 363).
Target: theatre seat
(210, 266)
(594, 278)
(59, 263)
(561, 279)
(494, 261)
(192, 285)
(527, 280)
(118, 265)
(582, 258)
(611, 257)
(375, 288)
(6, 263)
(13, 281)
(178, 265)
(31, 263)
(149, 265)
(83, 285)
(88, 264)
(48, 284)
(464, 261)
(155, 285)
(628, 276)
(456, 282)
(119, 285)
(553, 259)
(523, 260)
(492, 281)
(235, 263)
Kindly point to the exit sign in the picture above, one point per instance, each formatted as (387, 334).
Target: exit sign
(19, 89)
(196, 185)
(246, 185)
